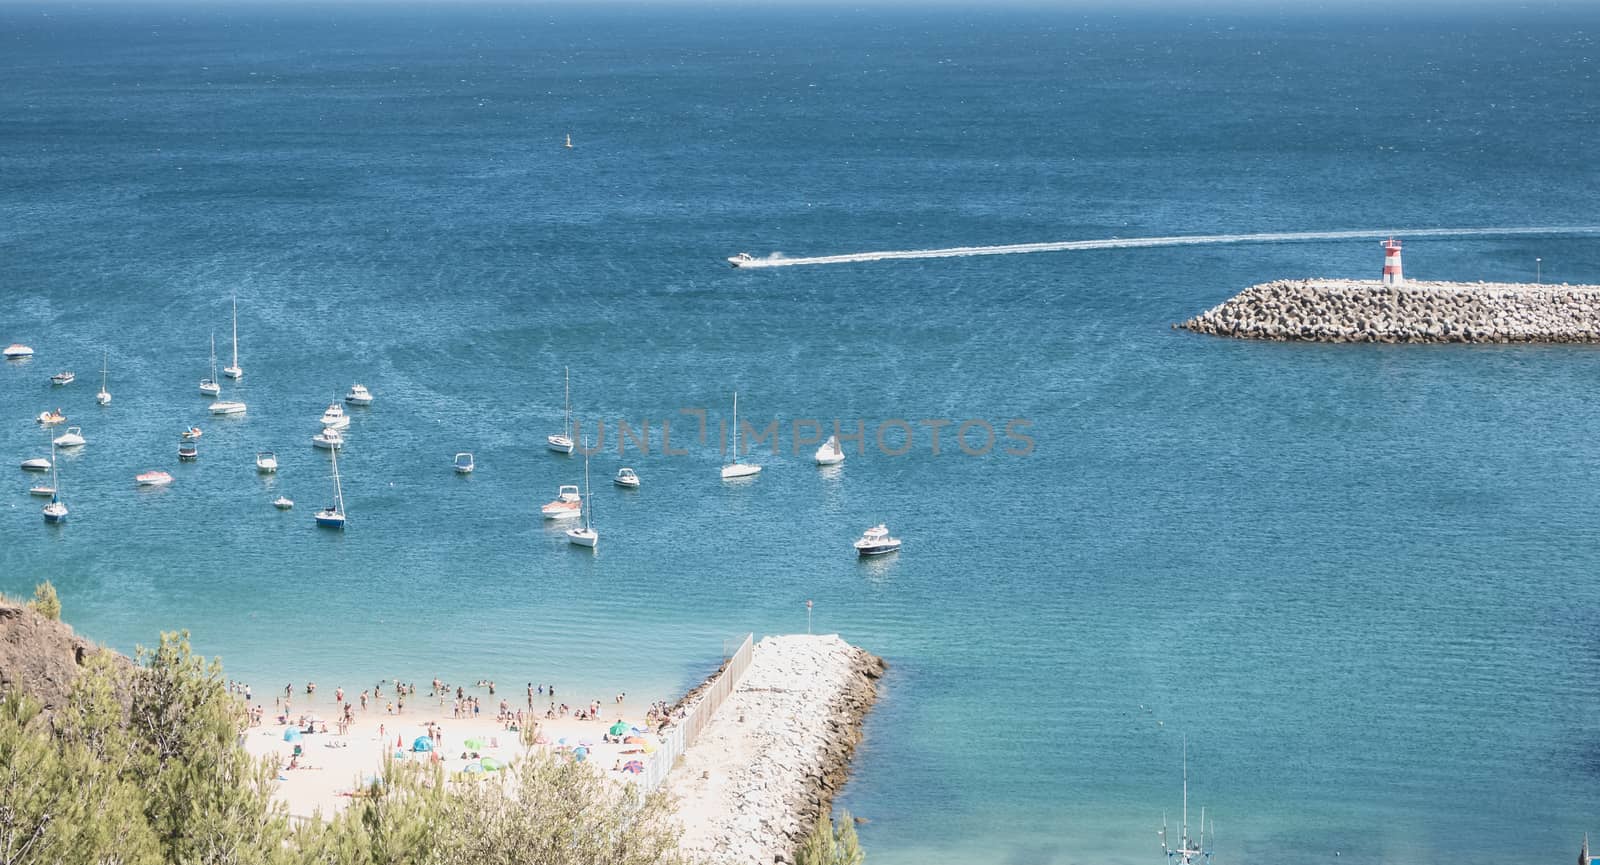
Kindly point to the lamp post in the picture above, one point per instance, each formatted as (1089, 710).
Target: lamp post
(1538, 270)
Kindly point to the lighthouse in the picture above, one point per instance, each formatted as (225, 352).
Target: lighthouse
(1391, 263)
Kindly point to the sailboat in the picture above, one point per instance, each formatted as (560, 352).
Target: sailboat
(234, 371)
(569, 141)
(1189, 851)
(587, 536)
(104, 396)
(830, 454)
(561, 442)
(332, 516)
(56, 511)
(738, 469)
(209, 386)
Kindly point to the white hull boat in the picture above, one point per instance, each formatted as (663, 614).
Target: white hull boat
(72, 438)
(37, 464)
(588, 536)
(626, 478)
(210, 386)
(152, 479)
(738, 469)
(876, 542)
(568, 504)
(45, 490)
(56, 511)
(234, 370)
(283, 503)
(830, 454)
(104, 396)
(332, 516)
(335, 418)
(464, 464)
(328, 440)
(228, 407)
(17, 351)
(561, 442)
(358, 395)
(63, 377)
(266, 462)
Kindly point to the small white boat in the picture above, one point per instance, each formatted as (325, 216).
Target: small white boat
(283, 503)
(227, 407)
(464, 464)
(876, 541)
(51, 418)
(210, 386)
(72, 438)
(334, 417)
(234, 370)
(56, 510)
(42, 489)
(568, 145)
(358, 395)
(588, 536)
(738, 469)
(328, 440)
(830, 454)
(37, 464)
(17, 351)
(561, 442)
(567, 504)
(188, 452)
(626, 478)
(266, 462)
(152, 479)
(332, 516)
(65, 376)
(743, 259)
(191, 434)
(104, 396)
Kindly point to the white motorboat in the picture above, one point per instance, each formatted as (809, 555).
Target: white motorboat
(464, 464)
(358, 395)
(830, 454)
(104, 396)
(335, 418)
(17, 351)
(567, 504)
(56, 510)
(188, 452)
(266, 462)
(626, 478)
(876, 541)
(561, 442)
(743, 259)
(328, 440)
(152, 479)
(283, 503)
(51, 418)
(227, 407)
(210, 386)
(233, 370)
(36, 464)
(72, 438)
(44, 489)
(65, 376)
(332, 516)
(737, 469)
(588, 536)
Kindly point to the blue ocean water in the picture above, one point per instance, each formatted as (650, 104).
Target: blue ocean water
(1359, 580)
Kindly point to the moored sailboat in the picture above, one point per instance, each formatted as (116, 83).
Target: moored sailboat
(104, 396)
(737, 469)
(332, 516)
(233, 370)
(588, 536)
(561, 442)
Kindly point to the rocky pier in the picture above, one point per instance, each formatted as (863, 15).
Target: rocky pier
(1348, 310)
(767, 766)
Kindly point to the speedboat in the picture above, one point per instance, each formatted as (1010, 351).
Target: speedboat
(335, 418)
(17, 351)
(876, 541)
(37, 464)
(188, 452)
(358, 395)
(50, 418)
(328, 440)
(227, 407)
(830, 454)
(626, 478)
(152, 479)
(743, 259)
(266, 462)
(283, 503)
(568, 503)
(464, 464)
(66, 376)
(191, 434)
(72, 438)
(738, 469)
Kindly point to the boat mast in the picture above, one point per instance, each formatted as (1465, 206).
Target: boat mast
(213, 357)
(105, 360)
(588, 508)
(735, 426)
(338, 491)
(566, 426)
(235, 332)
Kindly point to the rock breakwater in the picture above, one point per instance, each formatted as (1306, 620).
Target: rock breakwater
(1330, 310)
(766, 767)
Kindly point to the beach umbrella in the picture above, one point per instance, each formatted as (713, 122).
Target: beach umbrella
(580, 753)
(619, 729)
(423, 743)
(472, 768)
(292, 734)
(474, 744)
(649, 747)
(490, 764)
(633, 766)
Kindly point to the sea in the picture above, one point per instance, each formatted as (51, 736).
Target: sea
(1354, 588)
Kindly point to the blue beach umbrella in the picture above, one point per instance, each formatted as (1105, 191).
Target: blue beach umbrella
(292, 734)
(423, 743)
(472, 768)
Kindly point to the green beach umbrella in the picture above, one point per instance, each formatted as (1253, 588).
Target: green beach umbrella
(474, 744)
(490, 764)
(619, 729)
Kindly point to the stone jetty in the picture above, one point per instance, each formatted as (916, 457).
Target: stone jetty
(765, 769)
(1348, 310)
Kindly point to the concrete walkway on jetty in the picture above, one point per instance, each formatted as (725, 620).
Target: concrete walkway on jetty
(765, 768)
(1347, 310)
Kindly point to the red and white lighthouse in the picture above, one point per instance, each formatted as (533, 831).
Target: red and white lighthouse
(1391, 263)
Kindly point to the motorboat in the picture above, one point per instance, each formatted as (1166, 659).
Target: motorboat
(37, 464)
(626, 478)
(65, 376)
(191, 434)
(43, 488)
(17, 351)
(743, 259)
(830, 454)
(266, 462)
(464, 464)
(876, 541)
(332, 516)
(56, 510)
(737, 469)
(72, 438)
(561, 442)
(358, 395)
(152, 479)
(104, 396)
(227, 407)
(233, 370)
(328, 440)
(50, 418)
(283, 503)
(588, 536)
(188, 452)
(568, 503)
(210, 386)
(334, 417)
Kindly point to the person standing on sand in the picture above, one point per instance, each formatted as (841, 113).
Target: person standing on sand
(338, 695)
(363, 701)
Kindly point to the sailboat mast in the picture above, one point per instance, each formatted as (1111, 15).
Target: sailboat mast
(735, 426)
(105, 361)
(566, 426)
(235, 332)
(1185, 839)
(213, 357)
(588, 507)
(338, 490)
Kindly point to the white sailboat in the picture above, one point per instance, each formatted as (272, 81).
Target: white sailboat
(56, 511)
(588, 536)
(738, 469)
(233, 370)
(1189, 851)
(332, 517)
(830, 454)
(104, 396)
(210, 386)
(561, 442)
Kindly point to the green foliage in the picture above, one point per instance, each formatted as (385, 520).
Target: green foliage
(45, 601)
(830, 845)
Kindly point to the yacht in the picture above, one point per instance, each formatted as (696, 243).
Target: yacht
(830, 454)
(568, 503)
(588, 536)
(152, 479)
(561, 442)
(335, 418)
(283, 503)
(37, 464)
(227, 407)
(65, 376)
(464, 464)
(51, 418)
(17, 351)
(210, 386)
(266, 462)
(104, 396)
(358, 395)
(626, 478)
(738, 469)
(72, 438)
(328, 440)
(332, 516)
(188, 452)
(876, 541)
(234, 370)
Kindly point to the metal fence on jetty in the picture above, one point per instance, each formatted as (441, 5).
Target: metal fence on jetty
(682, 734)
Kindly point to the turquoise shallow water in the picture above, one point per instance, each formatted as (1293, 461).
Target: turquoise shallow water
(1358, 578)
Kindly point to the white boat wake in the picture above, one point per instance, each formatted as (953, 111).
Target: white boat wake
(743, 260)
